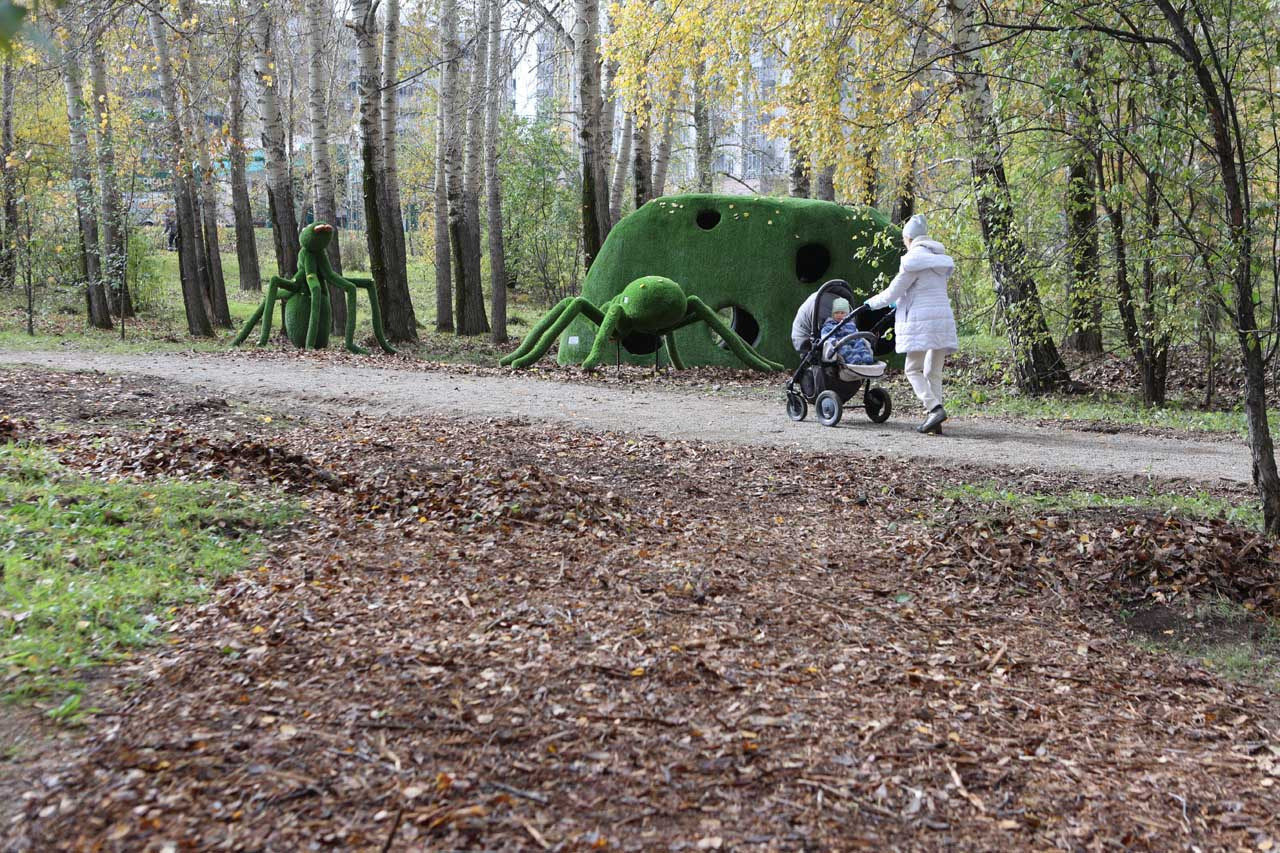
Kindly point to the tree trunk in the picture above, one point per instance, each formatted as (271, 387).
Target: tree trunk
(1220, 107)
(368, 82)
(643, 171)
(1037, 366)
(493, 179)
(704, 141)
(799, 186)
(662, 160)
(81, 184)
(620, 167)
(826, 183)
(284, 220)
(8, 181)
(904, 206)
(246, 241)
(322, 193)
(1084, 293)
(193, 293)
(114, 251)
(444, 266)
(475, 322)
(397, 306)
(595, 178)
(466, 274)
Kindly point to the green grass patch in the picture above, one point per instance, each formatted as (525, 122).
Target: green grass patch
(1233, 641)
(1199, 505)
(91, 570)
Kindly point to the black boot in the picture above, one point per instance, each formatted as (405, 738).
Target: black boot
(933, 421)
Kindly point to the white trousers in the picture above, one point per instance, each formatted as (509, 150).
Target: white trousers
(924, 372)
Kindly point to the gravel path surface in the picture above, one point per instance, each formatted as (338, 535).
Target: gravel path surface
(687, 414)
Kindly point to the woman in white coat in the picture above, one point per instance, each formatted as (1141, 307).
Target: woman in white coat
(925, 327)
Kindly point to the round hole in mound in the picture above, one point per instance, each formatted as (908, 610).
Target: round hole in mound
(708, 219)
(812, 261)
(741, 321)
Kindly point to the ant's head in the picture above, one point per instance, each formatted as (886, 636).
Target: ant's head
(316, 236)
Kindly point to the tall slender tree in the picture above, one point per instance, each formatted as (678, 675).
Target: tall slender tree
(242, 210)
(1037, 366)
(492, 177)
(81, 183)
(114, 251)
(397, 306)
(8, 180)
(443, 263)
(194, 296)
(284, 220)
(642, 172)
(595, 176)
(322, 192)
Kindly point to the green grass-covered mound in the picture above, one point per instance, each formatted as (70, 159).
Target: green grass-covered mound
(753, 258)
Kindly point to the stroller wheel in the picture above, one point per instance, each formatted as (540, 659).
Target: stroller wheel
(797, 408)
(879, 404)
(829, 408)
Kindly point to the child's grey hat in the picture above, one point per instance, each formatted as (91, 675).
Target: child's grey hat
(841, 304)
(915, 227)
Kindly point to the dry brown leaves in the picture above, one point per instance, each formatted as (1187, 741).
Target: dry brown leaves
(508, 636)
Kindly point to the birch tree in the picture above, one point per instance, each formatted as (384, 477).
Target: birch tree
(492, 177)
(194, 296)
(8, 180)
(114, 250)
(284, 221)
(440, 220)
(322, 193)
(393, 290)
(595, 177)
(81, 183)
(620, 168)
(242, 211)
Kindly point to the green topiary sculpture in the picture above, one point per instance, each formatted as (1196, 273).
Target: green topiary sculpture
(650, 309)
(307, 311)
(754, 258)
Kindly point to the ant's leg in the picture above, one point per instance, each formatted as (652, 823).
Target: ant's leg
(313, 319)
(607, 328)
(550, 331)
(248, 327)
(673, 353)
(349, 333)
(740, 348)
(375, 313)
(269, 304)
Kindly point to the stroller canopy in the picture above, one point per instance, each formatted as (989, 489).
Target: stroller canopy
(807, 326)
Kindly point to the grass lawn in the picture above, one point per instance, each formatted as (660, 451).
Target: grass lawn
(89, 569)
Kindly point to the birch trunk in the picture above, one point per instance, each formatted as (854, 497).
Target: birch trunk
(473, 320)
(466, 275)
(369, 81)
(444, 266)
(246, 240)
(662, 160)
(397, 307)
(826, 184)
(323, 199)
(114, 250)
(799, 185)
(205, 199)
(492, 178)
(8, 181)
(1037, 366)
(193, 294)
(81, 184)
(284, 220)
(620, 167)
(595, 178)
(704, 143)
(643, 171)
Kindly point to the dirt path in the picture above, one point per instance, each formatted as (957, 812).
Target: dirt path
(669, 414)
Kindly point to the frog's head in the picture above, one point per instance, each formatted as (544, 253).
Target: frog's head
(652, 303)
(316, 236)
(754, 259)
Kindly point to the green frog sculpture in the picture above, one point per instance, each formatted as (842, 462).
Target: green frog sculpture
(307, 312)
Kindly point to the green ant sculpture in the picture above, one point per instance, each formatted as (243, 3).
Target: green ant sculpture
(650, 308)
(307, 311)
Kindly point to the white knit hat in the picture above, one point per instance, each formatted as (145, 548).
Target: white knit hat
(915, 227)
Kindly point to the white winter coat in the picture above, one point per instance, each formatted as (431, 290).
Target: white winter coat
(924, 320)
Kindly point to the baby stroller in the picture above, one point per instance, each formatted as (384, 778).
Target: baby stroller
(825, 381)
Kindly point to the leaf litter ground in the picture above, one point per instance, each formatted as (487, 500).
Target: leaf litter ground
(504, 635)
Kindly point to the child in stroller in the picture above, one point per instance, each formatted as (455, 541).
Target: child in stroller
(824, 378)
